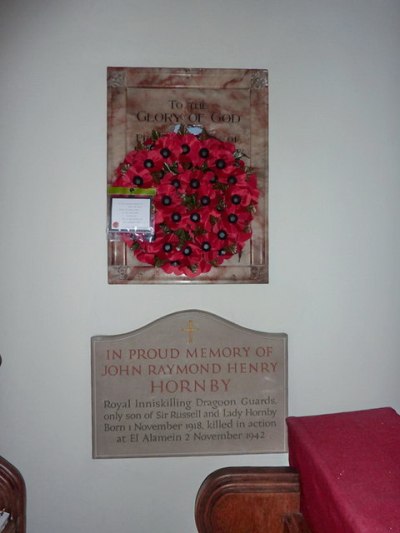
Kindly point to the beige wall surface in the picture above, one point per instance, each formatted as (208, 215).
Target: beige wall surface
(334, 72)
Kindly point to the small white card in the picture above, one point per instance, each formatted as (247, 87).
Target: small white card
(130, 214)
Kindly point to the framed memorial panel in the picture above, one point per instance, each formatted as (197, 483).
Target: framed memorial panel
(187, 175)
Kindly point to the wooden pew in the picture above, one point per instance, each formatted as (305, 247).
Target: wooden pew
(12, 497)
(250, 500)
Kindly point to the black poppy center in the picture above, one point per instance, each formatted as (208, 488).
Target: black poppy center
(148, 163)
(187, 250)
(233, 218)
(176, 183)
(232, 180)
(167, 200)
(176, 217)
(236, 199)
(206, 246)
(205, 200)
(195, 217)
(204, 153)
(222, 234)
(195, 183)
(167, 247)
(220, 163)
(165, 152)
(185, 148)
(137, 180)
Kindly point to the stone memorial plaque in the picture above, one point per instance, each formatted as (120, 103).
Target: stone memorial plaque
(229, 104)
(190, 383)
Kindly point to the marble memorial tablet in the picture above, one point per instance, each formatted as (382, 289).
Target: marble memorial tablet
(229, 104)
(190, 383)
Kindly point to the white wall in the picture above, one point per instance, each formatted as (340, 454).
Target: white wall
(334, 239)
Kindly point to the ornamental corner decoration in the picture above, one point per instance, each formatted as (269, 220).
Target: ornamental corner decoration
(187, 175)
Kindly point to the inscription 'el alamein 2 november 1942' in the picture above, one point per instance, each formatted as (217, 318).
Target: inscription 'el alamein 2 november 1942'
(189, 384)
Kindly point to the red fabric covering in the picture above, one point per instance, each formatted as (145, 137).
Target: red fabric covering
(349, 466)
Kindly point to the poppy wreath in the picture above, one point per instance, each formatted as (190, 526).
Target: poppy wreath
(204, 203)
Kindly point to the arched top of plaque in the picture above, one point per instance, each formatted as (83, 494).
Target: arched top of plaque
(173, 326)
(189, 383)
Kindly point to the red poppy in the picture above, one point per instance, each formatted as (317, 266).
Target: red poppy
(189, 148)
(207, 196)
(240, 196)
(141, 178)
(160, 251)
(168, 147)
(236, 223)
(222, 155)
(166, 201)
(234, 175)
(150, 160)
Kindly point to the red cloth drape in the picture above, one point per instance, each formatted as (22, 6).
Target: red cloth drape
(349, 466)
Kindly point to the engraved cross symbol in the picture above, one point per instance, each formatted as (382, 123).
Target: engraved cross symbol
(190, 329)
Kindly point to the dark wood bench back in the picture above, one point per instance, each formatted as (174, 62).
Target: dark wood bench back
(249, 500)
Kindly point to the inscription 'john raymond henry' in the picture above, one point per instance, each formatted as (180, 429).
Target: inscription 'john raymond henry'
(190, 383)
(233, 357)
